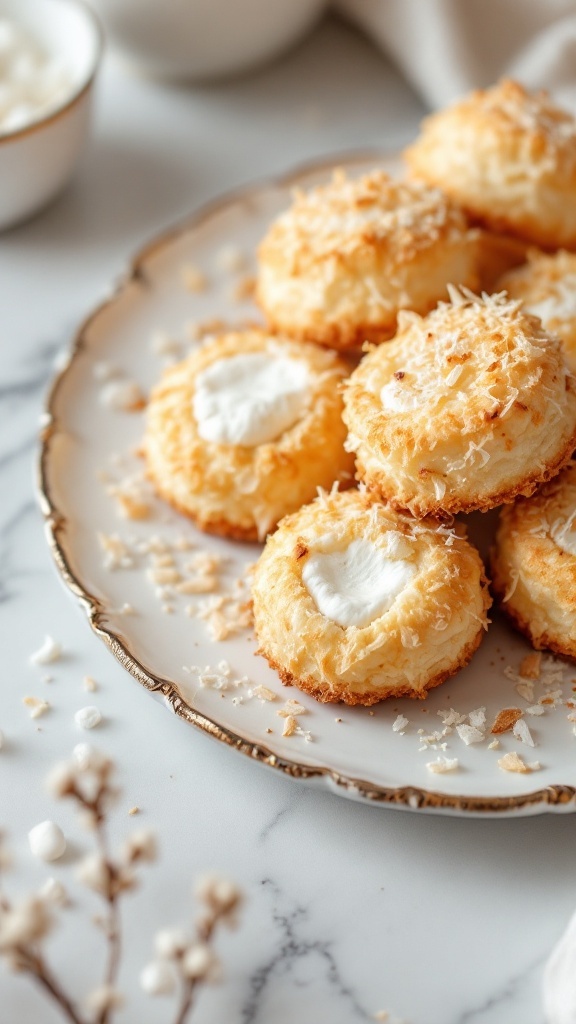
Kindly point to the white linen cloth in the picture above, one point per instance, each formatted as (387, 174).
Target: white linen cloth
(560, 980)
(447, 47)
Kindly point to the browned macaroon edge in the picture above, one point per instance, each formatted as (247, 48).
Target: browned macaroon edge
(327, 695)
(541, 642)
(446, 510)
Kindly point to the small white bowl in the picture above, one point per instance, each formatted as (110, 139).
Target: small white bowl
(203, 39)
(37, 160)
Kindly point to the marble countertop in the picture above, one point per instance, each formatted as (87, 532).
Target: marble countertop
(351, 909)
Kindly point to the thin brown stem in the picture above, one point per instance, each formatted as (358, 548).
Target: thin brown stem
(113, 932)
(41, 974)
(204, 933)
(186, 1002)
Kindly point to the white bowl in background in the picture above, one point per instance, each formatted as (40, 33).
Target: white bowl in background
(196, 39)
(38, 159)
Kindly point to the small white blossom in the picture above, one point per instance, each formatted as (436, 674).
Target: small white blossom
(157, 978)
(61, 780)
(54, 892)
(171, 942)
(219, 893)
(47, 841)
(199, 962)
(28, 922)
(104, 998)
(93, 872)
(141, 845)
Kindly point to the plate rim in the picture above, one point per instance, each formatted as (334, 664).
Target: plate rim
(554, 797)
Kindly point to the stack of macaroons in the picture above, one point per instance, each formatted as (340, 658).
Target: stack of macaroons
(462, 402)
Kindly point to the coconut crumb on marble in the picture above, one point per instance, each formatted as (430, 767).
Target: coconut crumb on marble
(49, 652)
(37, 706)
(442, 765)
(399, 724)
(193, 279)
(88, 717)
(522, 732)
(512, 762)
(291, 708)
(494, 745)
(90, 684)
(133, 810)
(536, 709)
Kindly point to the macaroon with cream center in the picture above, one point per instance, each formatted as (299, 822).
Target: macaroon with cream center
(546, 285)
(464, 409)
(534, 564)
(340, 263)
(355, 602)
(250, 399)
(245, 430)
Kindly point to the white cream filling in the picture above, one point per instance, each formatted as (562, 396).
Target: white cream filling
(560, 306)
(355, 586)
(250, 399)
(396, 396)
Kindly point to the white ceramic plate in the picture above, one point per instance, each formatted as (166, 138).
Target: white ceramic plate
(87, 446)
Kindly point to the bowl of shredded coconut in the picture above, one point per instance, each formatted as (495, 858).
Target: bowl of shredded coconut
(49, 54)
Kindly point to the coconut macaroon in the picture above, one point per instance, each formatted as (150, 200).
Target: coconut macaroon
(509, 158)
(338, 265)
(534, 564)
(245, 430)
(354, 602)
(465, 409)
(547, 287)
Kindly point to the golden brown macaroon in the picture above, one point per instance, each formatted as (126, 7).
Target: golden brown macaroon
(509, 158)
(463, 410)
(534, 564)
(245, 430)
(337, 266)
(547, 287)
(355, 603)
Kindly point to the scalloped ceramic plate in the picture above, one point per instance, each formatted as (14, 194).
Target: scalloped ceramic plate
(88, 449)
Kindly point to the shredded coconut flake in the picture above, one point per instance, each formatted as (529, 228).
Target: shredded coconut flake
(442, 764)
(512, 762)
(37, 707)
(469, 734)
(49, 652)
(522, 732)
(399, 724)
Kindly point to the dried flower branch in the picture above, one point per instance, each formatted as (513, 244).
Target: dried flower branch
(87, 780)
(191, 960)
